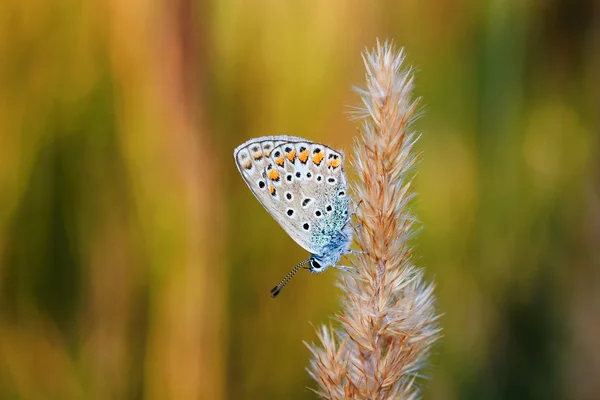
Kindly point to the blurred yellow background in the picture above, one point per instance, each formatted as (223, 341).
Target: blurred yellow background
(136, 264)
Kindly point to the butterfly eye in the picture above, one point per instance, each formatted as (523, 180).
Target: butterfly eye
(314, 264)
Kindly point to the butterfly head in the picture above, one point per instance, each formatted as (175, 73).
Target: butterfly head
(319, 263)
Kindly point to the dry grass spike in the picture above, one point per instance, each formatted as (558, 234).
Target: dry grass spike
(388, 317)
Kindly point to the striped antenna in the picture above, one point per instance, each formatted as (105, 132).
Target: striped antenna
(277, 289)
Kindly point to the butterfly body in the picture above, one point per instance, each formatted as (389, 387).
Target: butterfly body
(303, 186)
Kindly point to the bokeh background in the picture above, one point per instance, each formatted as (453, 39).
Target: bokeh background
(136, 264)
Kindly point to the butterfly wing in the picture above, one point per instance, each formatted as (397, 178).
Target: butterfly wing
(300, 183)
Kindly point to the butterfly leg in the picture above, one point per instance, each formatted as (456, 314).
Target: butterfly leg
(355, 206)
(356, 252)
(344, 268)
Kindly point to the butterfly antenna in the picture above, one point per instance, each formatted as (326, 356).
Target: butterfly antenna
(277, 289)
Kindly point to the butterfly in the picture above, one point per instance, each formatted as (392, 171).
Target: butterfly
(303, 186)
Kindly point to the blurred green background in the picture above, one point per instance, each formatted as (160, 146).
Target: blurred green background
(135, 263)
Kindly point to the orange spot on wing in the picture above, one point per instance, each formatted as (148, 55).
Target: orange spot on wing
(272, 190)
(318, 157)
(279, 161)
(334, 163)
(248, 164)
(303, 156)
(273, 174)
(258, 156)
(291, 155)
